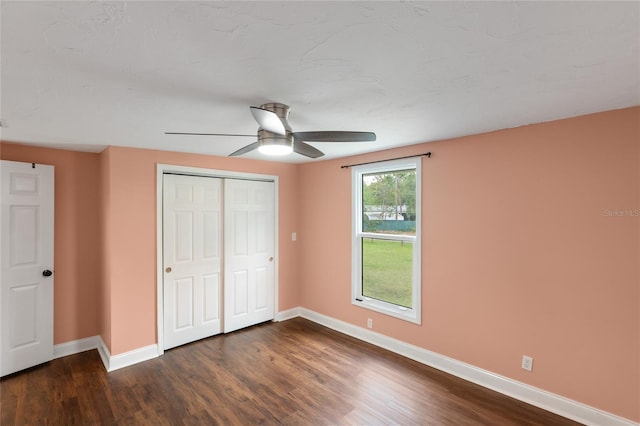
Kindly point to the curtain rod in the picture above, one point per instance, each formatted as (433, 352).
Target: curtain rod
(426, 154)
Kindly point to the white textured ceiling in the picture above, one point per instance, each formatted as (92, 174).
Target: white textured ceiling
(84, 75)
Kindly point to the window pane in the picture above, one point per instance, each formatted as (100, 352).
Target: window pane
(387, 271)
(389, 202)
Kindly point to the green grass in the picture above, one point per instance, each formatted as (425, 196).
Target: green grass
(387, 271)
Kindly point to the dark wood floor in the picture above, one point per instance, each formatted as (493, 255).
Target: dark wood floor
(292, 372)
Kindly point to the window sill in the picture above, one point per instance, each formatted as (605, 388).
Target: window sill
(400, 312)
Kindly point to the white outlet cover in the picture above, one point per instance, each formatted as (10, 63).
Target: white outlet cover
(527, 363)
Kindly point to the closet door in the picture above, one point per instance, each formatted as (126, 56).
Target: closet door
(249, 228)
(192, 225)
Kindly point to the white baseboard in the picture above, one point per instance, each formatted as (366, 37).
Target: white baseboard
(103, 351)
(115, 362)
(288, 314)
(75, 346)
(537, 397)
(111, 362)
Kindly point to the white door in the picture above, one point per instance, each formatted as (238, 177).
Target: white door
(249, 253)
(192, 258)
(26, 297)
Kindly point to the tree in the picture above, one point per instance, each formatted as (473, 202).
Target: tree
(390, 191)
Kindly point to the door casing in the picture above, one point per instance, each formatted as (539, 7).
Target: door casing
(161, 169)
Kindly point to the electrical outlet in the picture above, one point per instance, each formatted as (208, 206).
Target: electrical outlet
(527, 363)
(294, 236)
(369, 323)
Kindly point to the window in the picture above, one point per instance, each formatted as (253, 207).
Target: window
(386, 238)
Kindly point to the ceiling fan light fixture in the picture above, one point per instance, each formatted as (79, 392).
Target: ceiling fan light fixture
(275, 145)
(275, 150)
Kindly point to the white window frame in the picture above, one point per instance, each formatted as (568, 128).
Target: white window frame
(412, 314)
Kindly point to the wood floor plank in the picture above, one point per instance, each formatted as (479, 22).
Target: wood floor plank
(294, 372)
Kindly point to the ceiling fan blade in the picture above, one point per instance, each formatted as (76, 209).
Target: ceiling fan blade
(268, 120)
(337, 136)
(306, 149)
(208, 134)
(244, 150)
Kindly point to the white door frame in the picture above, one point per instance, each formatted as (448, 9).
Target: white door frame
(161, 169)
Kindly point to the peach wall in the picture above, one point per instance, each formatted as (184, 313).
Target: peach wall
(76, 262)
(521, 254)
(131, 248)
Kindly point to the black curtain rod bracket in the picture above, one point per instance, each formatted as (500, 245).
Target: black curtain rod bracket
(426, 154)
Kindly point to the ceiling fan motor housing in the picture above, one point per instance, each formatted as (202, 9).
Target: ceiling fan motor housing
(281, 110)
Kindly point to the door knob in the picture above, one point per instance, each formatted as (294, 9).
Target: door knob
(47, 273)
(271, 259)
(168, 269)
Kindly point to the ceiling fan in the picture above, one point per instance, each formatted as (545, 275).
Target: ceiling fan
(275, 136)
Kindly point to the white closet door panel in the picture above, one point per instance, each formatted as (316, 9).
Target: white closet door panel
(192, 259)
(249, 253)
